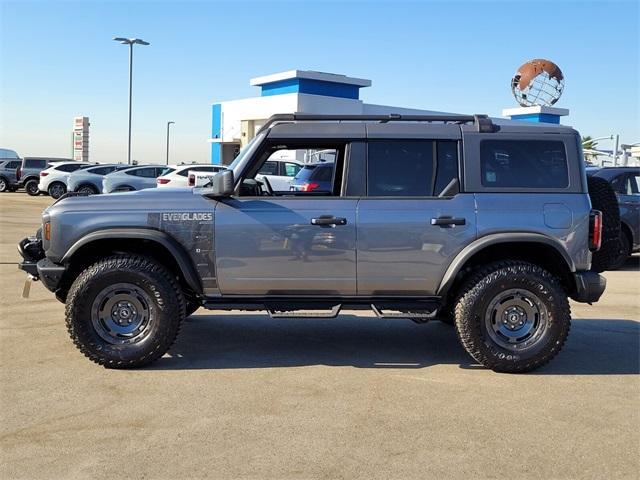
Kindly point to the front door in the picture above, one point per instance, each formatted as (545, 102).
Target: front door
(301, 243)
(407, 233)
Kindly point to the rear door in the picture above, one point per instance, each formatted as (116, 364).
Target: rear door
(412, 221)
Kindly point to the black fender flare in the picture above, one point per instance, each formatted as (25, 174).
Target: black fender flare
(494, 239)
(177, 251)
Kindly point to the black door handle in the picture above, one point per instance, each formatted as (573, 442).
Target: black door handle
(328, 220)
(448, 222)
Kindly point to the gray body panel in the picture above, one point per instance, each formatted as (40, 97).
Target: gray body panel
(185, 217)
(563, 218)
(268, 246)
(400, 252)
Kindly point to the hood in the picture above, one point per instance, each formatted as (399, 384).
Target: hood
(167, 199)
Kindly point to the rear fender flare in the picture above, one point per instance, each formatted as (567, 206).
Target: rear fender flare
(494, 239)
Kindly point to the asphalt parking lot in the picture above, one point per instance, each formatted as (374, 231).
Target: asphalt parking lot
(243, 396)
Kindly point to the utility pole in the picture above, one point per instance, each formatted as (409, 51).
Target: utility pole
(131, 42)
(168, 125)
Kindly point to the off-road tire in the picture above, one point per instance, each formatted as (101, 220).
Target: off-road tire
(167, 310)
(4, 185)
(473, 303)
(603, 198)
(31, 187)
(56, 193)
(624, 251)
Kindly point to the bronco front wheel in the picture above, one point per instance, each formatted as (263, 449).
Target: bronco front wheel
(124, 311)
(512, 317)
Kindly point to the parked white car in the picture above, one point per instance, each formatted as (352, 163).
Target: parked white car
(280, 173)
(179, 176)
(201, 179)
(53, 180)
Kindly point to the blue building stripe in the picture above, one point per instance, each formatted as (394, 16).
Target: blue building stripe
(313, 87)
(216, 132)
(537, 117)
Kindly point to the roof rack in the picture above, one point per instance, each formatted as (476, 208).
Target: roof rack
(482, 122)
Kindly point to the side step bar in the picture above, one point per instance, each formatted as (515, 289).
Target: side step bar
(419, 316)
(418, 311)
(333, 313)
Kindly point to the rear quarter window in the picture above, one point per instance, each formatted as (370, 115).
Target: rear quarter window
(35, 164)
(523, 164)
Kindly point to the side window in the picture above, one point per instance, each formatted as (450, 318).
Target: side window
(291, 169)
(13, 165)
(633, 185)
(158, 171)
(102, 170)
(523, 164)
(35, 164)
(143, 172)
(400, 168)
(307, 169)
(269, 168)
(70, 167)
(447, 165)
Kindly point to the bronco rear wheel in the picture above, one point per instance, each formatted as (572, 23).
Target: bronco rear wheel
(512, 316)
(124, 311)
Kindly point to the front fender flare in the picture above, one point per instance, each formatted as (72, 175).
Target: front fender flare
(177, 251)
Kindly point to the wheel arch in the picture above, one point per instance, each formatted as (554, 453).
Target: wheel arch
(625, 229)
(148, 242)
(532, 247)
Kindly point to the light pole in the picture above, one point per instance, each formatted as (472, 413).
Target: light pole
(131, 42)
(168, 125)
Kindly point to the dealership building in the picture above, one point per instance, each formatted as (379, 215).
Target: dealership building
(235, 122)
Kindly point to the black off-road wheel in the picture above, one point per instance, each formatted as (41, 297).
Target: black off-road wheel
(512, 316)
(31, 187)
(603, 198)
(124, 311)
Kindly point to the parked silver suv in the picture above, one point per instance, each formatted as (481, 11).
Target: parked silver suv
(489, 227)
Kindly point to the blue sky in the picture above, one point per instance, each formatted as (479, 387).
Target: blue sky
(58, 61)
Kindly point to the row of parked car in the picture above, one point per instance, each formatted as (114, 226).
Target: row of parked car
(57, 176)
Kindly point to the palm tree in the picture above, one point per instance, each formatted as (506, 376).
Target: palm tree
(588, 143)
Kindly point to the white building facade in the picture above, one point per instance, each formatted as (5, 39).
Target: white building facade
(235, 122)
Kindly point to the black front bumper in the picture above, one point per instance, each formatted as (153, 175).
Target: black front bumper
(37, 265)
(589, 286)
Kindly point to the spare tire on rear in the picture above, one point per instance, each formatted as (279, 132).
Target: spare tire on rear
(604, 198)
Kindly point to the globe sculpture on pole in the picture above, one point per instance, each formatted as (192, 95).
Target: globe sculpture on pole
(537, 82)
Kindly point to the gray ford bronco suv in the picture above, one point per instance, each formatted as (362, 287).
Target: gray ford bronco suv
(486, 226)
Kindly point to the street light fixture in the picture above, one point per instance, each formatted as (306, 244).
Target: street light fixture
(131, 42)
(168, 125)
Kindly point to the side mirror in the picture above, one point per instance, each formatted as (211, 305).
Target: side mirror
(222, 184)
